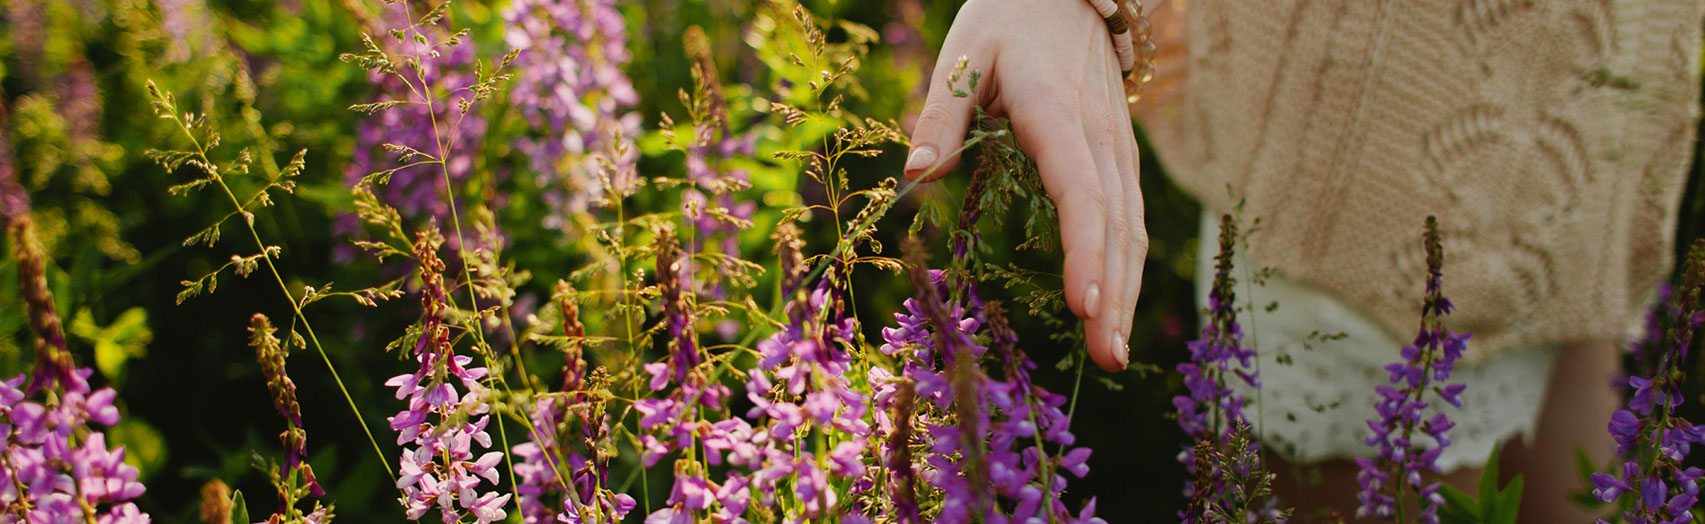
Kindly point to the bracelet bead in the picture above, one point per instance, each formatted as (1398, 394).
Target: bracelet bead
(1130, 31)
(1105, 8)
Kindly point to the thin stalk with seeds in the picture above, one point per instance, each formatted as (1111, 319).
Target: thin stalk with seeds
(166, 108)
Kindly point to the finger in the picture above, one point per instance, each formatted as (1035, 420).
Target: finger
(1108, 133)
(1070, 176)
(940, 128)
(1138, 247)
(1137, 241)
(1104, 336)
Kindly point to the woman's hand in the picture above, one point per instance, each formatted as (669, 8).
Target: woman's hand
(1049, 66)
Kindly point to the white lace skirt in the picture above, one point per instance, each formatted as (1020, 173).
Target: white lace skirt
(1317, 395)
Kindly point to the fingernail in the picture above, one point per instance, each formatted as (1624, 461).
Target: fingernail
(921, 158)
(1121, 350)
(1092, 299)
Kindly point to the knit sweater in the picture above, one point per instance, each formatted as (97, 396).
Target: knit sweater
(1550, 137)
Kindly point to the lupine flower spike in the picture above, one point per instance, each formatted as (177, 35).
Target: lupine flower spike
(1229, 482)
(1211, 409)
(671, 423)
(903, 478)
(1653, 483)
(56, 466)
(416, 189)
(984, 459)
(440, 427)
(569, 440)
(1391, 482)
(577, 102)
(294, 480)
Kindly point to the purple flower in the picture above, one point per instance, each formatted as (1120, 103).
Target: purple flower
(562, 471)
(56, 460)
(440, 428)
(672, 422)
(1654, 484)
(710, 200)
(61, 462)
(802, 397)
(578, 104)
(1211, 408)
(985, 432)
(1211, 411)
(1395, 471)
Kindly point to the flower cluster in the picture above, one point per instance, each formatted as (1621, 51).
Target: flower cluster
(807, 425)
(1231, 482)
(678, 315)
(56, 466)
(982, 436)
(1211, 409)
(1653, 484)
(1401, 457)
(673, 422)
(295, 479)
(567, 441)
(777, 420)
(188, 27)
(571, 90)
(1211, 412)
(440, 426)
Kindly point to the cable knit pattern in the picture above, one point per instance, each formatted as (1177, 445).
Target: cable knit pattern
(1551, 137)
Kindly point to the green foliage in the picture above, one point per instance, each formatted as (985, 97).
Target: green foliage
(239, 509)
(1584, 469)
(144, 446)
(125, 338)
(1494, 505)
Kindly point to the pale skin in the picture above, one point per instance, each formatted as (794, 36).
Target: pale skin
(1049, 66)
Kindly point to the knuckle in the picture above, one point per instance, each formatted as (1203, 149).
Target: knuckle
(1120, 232)
(934, 115)
(1107, 124)
(1140, 241)
(1089, 248)
(1080, 192)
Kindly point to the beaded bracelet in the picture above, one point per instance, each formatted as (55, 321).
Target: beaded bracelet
(1135, 52)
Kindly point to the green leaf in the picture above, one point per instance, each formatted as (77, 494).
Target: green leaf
(239, 510)
(1459, 508)
(144, 447)
(1584, 469)
(1509, 500)
(128, 336)
(1495, 506)
(1489, 481)
(1498, 506)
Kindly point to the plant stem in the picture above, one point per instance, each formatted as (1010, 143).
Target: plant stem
(295, 307)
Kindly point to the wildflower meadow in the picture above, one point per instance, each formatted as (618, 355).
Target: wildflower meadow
(596, 261)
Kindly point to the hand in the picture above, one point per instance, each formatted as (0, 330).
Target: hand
(1049, 66)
